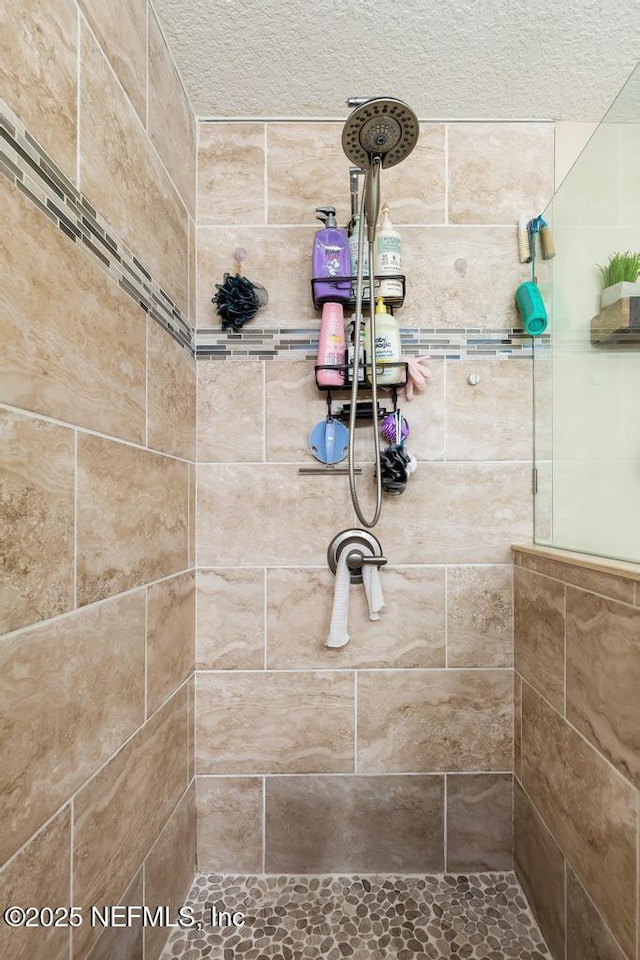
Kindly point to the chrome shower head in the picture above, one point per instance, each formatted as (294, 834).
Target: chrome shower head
(380, 127)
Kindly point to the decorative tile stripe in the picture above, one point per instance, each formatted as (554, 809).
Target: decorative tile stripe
(302, 343)
(34, 173)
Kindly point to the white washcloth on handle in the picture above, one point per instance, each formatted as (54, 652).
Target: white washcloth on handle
(373, 590)
(339, 631)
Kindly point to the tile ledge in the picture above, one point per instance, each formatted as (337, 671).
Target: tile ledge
(619, 568)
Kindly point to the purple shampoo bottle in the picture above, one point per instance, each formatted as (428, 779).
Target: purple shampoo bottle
(331, 258)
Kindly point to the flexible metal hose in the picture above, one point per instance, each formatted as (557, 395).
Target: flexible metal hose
(374, 379)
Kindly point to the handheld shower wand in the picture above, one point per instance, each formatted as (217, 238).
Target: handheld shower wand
(380, 132)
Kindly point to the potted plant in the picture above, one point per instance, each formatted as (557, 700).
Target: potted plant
(620, 278)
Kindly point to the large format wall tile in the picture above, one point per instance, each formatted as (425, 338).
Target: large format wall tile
(229, 824)
(123, 943)
(174, 848)
(274, 722)
(121, 30)
(123, 178)
(488, 180)
(603, 677)
(230, 620)
(74, 341)
(493, 419)
(479, 822)
(540, 868)
(288, 285)
(39, 877)
(37, 519)
(230, 404)
(480, 616)
(354, 824)
(171, 610)
(539, 626)
(256, 515)
(409, 633)
(231, 167)
(119, 814)
(72, 692)
(460, 277)
(572, 787)
(132, 517)
(171, 395)
(39, 57)
(433, 720)
(457, 513)
(171, 124)
(587, 935)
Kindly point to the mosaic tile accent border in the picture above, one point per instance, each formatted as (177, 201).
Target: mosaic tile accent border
(439, 916)
(302, 343)
(33, 172)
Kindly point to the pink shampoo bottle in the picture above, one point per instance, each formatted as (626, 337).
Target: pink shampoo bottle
(332, 345)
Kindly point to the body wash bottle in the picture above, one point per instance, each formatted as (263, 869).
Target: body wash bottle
(388, 348)
(331, 258)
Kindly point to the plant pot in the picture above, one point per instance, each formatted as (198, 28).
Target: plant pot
(619, 290)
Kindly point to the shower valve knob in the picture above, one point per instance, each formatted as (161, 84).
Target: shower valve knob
(356, 560)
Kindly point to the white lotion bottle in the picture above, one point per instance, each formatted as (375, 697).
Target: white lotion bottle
(388, 258)
(388, 347)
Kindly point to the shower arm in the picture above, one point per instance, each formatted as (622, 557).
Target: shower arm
(370, 193)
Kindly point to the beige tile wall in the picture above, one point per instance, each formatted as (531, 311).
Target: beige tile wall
(97, 417)
(418, 705)
(577, 657)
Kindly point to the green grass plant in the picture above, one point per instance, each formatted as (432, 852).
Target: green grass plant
(620, 267)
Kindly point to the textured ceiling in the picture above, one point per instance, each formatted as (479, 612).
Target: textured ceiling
(464, 59)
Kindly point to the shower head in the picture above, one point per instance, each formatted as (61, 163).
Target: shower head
(381, 127)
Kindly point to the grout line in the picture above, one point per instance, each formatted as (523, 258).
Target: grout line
(146, 638)
(348, 773)
(264, 411)
(75, 519)
(78, 96)
(146, 69)
(445, 818)
(446, 617)
(446, 174)
(265, 175)
(566, 930)
(265, 629)
(72, 845)
(589, 744)
(564, 650)
(414, 671)
(90, 606)
(264, 824)
(33, 415)
(355, 721)
(147, 371)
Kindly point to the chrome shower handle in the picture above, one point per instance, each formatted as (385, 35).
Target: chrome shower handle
(356, 560)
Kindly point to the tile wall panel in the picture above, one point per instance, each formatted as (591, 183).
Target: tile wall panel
(74, 342)
(72, 692)
(38, 520)
(121, 31)
(122, 491)
(39, 876)
(124, 179)
(39, 56)
(244, 722)
(119, 814)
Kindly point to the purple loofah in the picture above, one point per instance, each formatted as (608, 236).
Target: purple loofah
(388, 428)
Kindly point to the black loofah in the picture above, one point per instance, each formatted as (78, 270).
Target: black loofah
(394, 469)
(238, 300)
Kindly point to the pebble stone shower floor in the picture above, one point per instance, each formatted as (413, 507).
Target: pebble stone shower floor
(362, 918)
